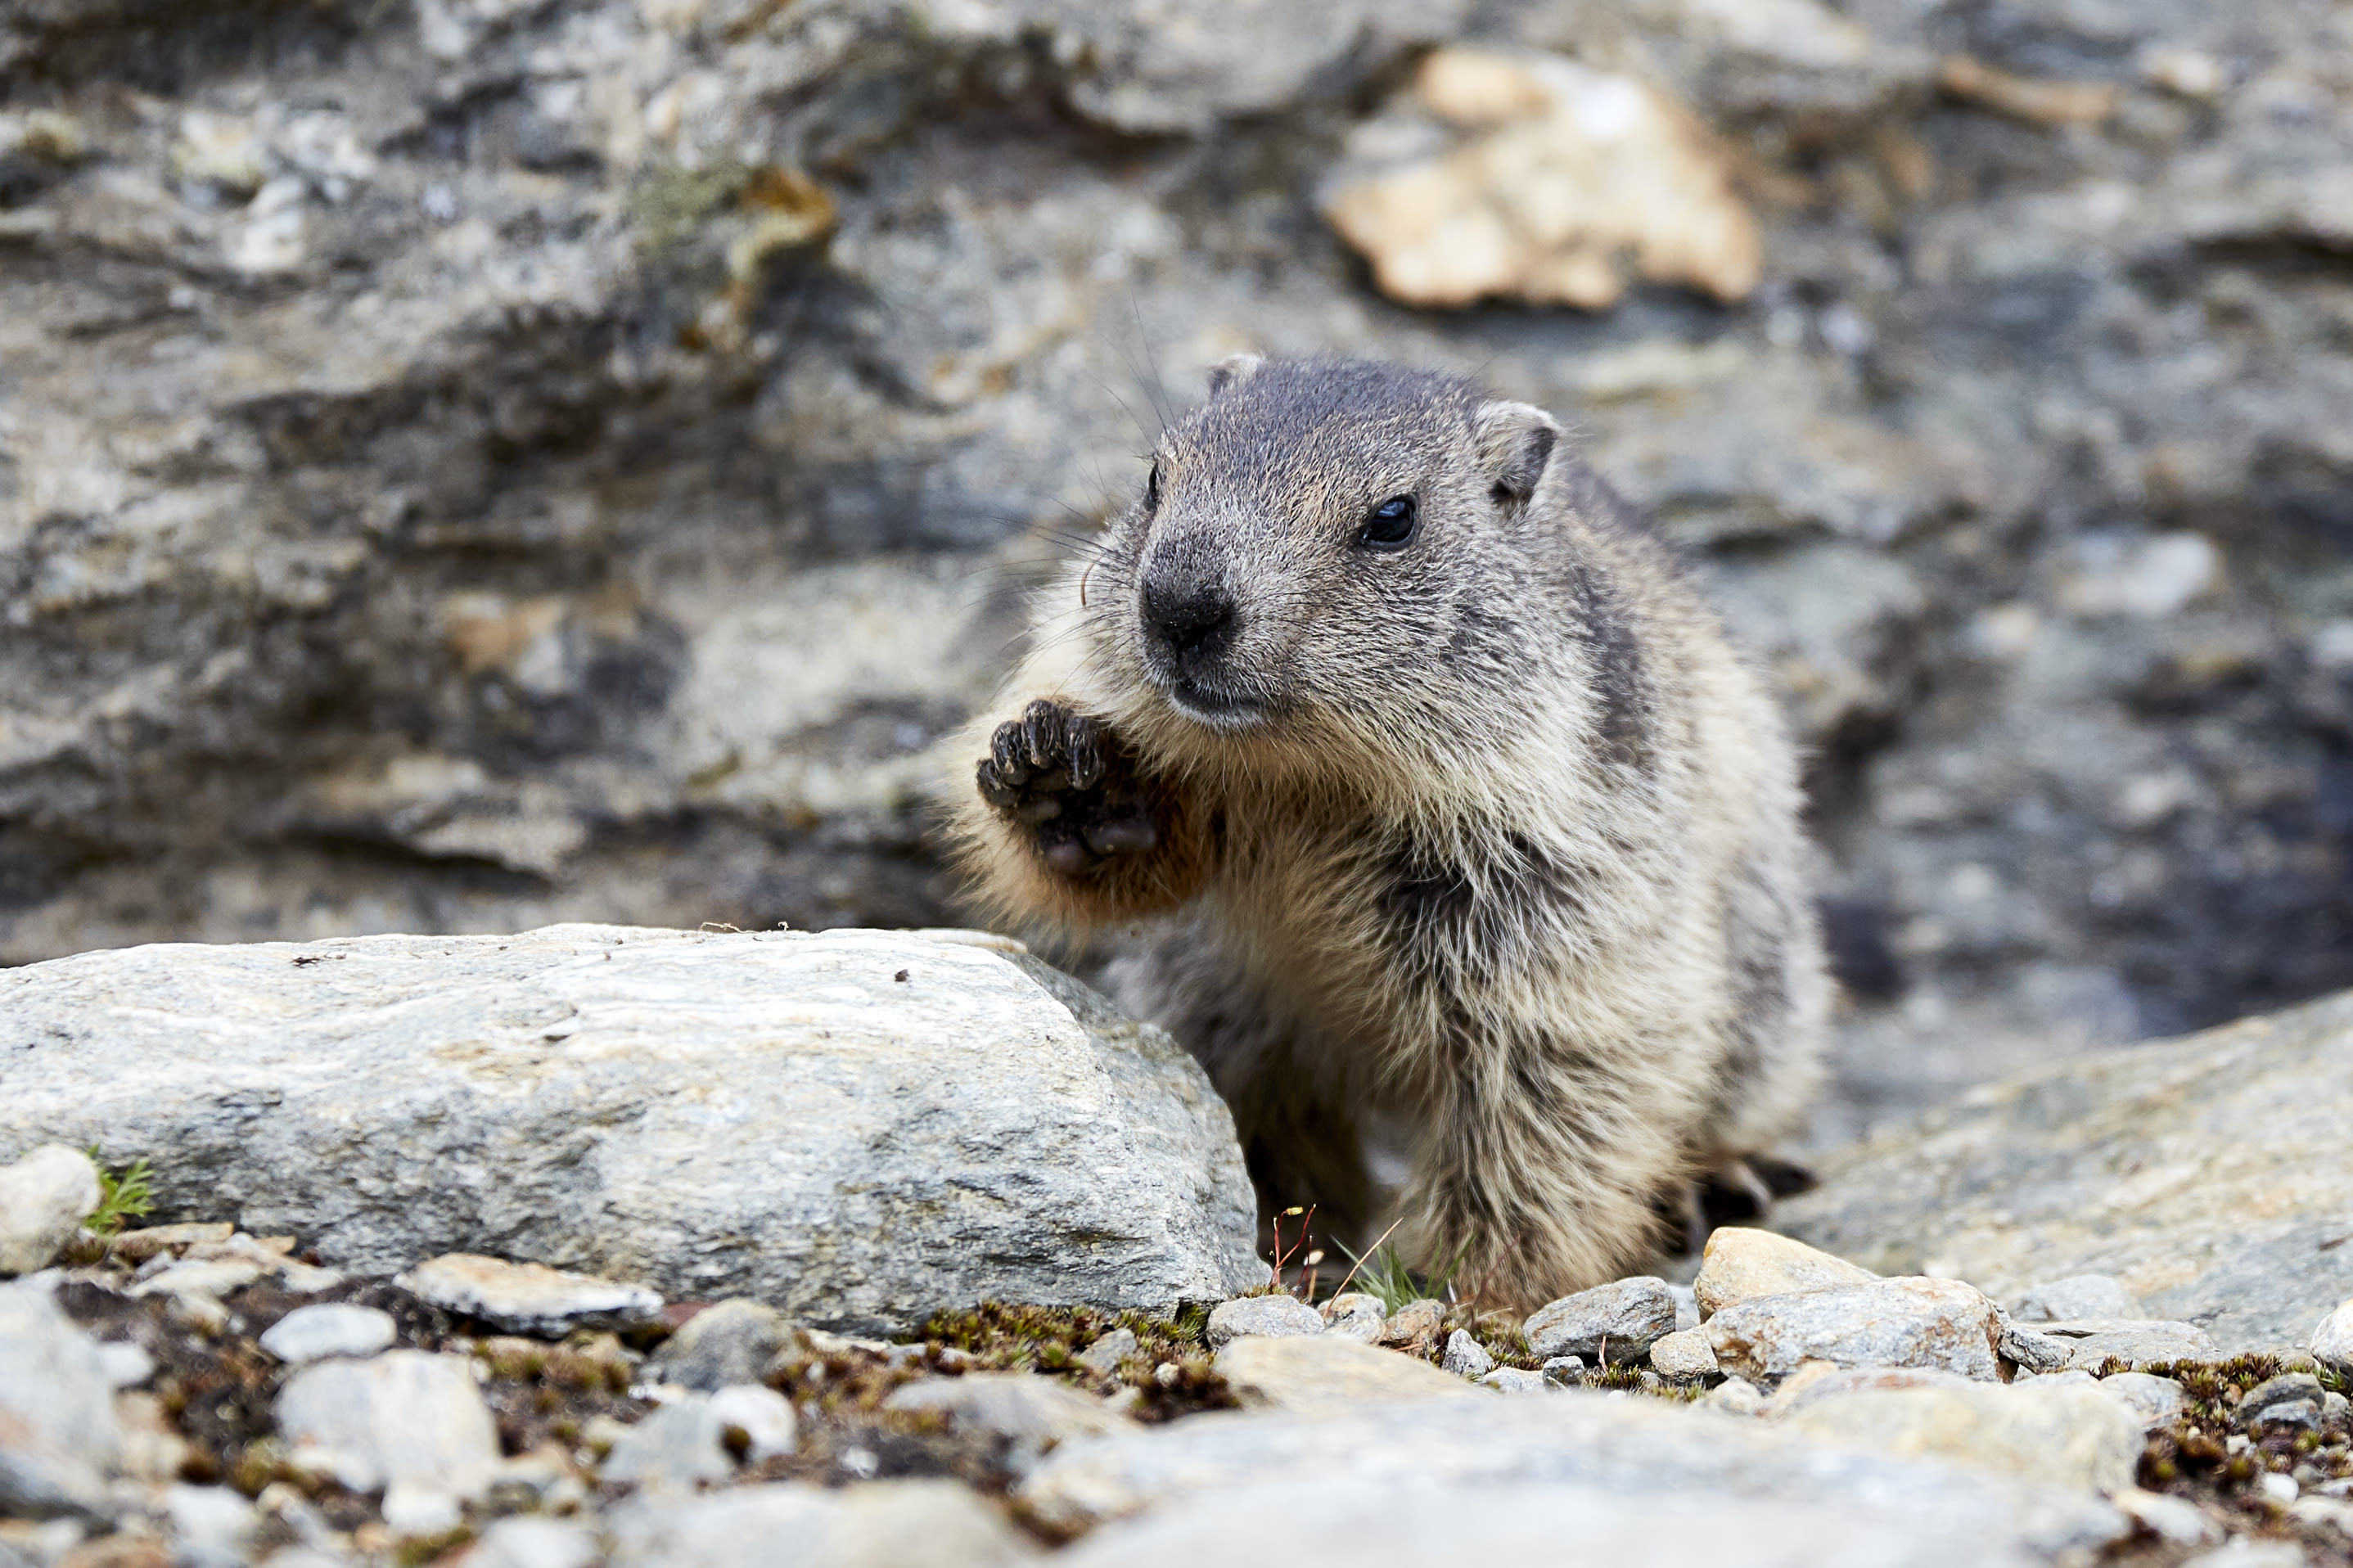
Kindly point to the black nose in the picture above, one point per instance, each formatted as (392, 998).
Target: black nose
(1193, 620)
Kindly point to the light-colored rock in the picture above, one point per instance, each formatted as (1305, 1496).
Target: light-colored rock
(1565, 1369)
(1686, 1306)
(1355, 1316)
(881, 1524)
(1739, 1263)
(406, 1420)
(2136, 1339)
(1819, 1380)
(1413, 1326)
(679, 1447)
(60, 1439)
(1938, 1323)
(2332, 1340)
(1466, 1357)
(1515, 1380)
(1735, 1396)
(2172, 1519)
(528, 1298)
(212, 1527)
(2156, 1400)
(1529, 177)
(2203, 1173)
(1034, 1413)
(2068, 1437)
(2033, 1352)
(2077, 1296)
(726, 1343)
(1632, 1446)
(764, 1417)
(1264, 1317)
(2245, 1552)
(44, 1198)
(1108, 1350)
(523, 1540)
(125, 1363)
(136, 1246)
(1329, 1374)
(329, 1328)
(1683, 1355)
(1618, 1322)
(550, 1096)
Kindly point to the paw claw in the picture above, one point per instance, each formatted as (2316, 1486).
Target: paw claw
(1052, 765)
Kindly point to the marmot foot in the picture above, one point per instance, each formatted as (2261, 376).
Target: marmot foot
(1063, 779)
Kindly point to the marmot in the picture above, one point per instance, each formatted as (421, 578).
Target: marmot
(1434, 803)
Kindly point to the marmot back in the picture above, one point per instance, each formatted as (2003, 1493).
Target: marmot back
(1449, 817)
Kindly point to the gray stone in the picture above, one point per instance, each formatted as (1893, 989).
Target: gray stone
(407, 1422)
(521, 1540)
(1108, 1350)
(58, 1437)
(329, 1328)
(1686, 1306)
(880, 1524)
(1616, 1323)
(726, 1343)
(529, 1298)
(2157, 1401)
(2067, 1437)
(1033, 1412)
(1355, 1316)
(1330, 1374)
(1263, 1317)
(764, 1417)
(2136, 1339)
(44, 1198)
(1683, 1355)
(548, 1096)
(2033, 1352)
(1565, 1369)
(2292, 1401)
(1415, 1324)
(2204, 1174)
(1936, 1323)
(2332, 1340)
(1735, 1396)
(1626, 1446)
(212, 1527)
(677, 1447)
(2076, 1297)
(1516, 1380)
(1739, 1263)
(1466, 1357)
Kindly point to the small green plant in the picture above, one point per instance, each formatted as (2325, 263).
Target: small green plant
(126, 1193)
(1383, 1275)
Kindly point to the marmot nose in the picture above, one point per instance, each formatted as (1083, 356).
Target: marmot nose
(1192, 620)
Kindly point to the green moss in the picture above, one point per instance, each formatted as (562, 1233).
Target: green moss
(127, 1193)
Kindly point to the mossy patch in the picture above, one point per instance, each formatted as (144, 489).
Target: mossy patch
(1171, 1368)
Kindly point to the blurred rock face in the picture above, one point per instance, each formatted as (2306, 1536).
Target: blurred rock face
(483, 463)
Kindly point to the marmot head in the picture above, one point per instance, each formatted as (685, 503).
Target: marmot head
(1326, 558)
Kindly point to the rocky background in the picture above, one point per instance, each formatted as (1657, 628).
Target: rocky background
(471, 463)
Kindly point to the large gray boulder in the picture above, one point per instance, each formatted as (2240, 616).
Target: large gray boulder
(2208, 1176)
(855, 1127)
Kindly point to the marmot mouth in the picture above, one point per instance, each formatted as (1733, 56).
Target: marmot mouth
(1208, 705)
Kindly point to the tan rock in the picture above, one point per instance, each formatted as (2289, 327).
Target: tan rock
(1329, 1374)
(1740, 1264)
(1941, 1324)
(2063, 1435)
(1533, 177)
(528, 1298)
(1684, 1354)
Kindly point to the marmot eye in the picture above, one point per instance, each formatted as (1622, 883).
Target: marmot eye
(1151, 487)
(1391, 525)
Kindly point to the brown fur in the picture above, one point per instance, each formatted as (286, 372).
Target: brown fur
(1489, 840)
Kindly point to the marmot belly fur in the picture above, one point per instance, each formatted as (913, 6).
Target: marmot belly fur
(1430, 801)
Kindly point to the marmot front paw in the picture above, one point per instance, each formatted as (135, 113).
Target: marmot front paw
(1064, 780)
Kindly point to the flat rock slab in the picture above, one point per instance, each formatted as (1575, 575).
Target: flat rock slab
(2065, 1435)
(529, 1298)
(2211, 1175)
(855, 1127)
(1331, 1374)
(1941, 1324)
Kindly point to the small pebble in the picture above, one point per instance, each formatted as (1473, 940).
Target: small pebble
(763, 1415)
(1736, 1397)
(1266, 1316)
(329, 1328)
(1564, 1371)
(1109, 1349)
(2332, 1340)
(1515, 1380)
(1466, 1357)
(1683, 1355)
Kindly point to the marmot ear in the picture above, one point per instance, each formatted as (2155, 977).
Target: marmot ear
(1232, 370)
(1515, 442)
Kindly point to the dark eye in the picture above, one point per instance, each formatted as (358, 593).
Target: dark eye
(1390, 525)
(1151, 487)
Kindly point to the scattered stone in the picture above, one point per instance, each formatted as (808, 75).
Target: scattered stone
(1263, 1317)
(1355, 1316)
(1466, 1357)
(1329, 1374)
(1414, 1327)
(680, 1446)
(1913, 1322)
(2203, 1173)
(137, 1247)
(1736, 1397)
(2156, 1400)
(2032, 1351)
(329, 1328)
(877, 1524)
(2077, 1296)
(212, 1527)
(407, 1422)
(58, 1437)
(2292, 1401)
(1686, 1306)
(1072, 1154)
(1531, 177)
(44, 1198)
(1565, 1371)
(529, 1298)
(1516, 1380)
(1684, 1355)
(2171, 1519)
(521, 1540)
(2332, 1340)
(2136, 1339)
(2069, 1436)
(1103, 1356)
(1033, 1412)
(125, 1363)
(764, 1417)
(725, 1343)
(1739, 1264)
(1616, 1323)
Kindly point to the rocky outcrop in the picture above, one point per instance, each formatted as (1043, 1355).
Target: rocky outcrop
(857, 1128)
(2208, 1176)
(582, 456)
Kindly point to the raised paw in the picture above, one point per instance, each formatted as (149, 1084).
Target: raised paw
(1060, 777)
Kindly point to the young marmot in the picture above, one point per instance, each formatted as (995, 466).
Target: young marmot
(1437, 807)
